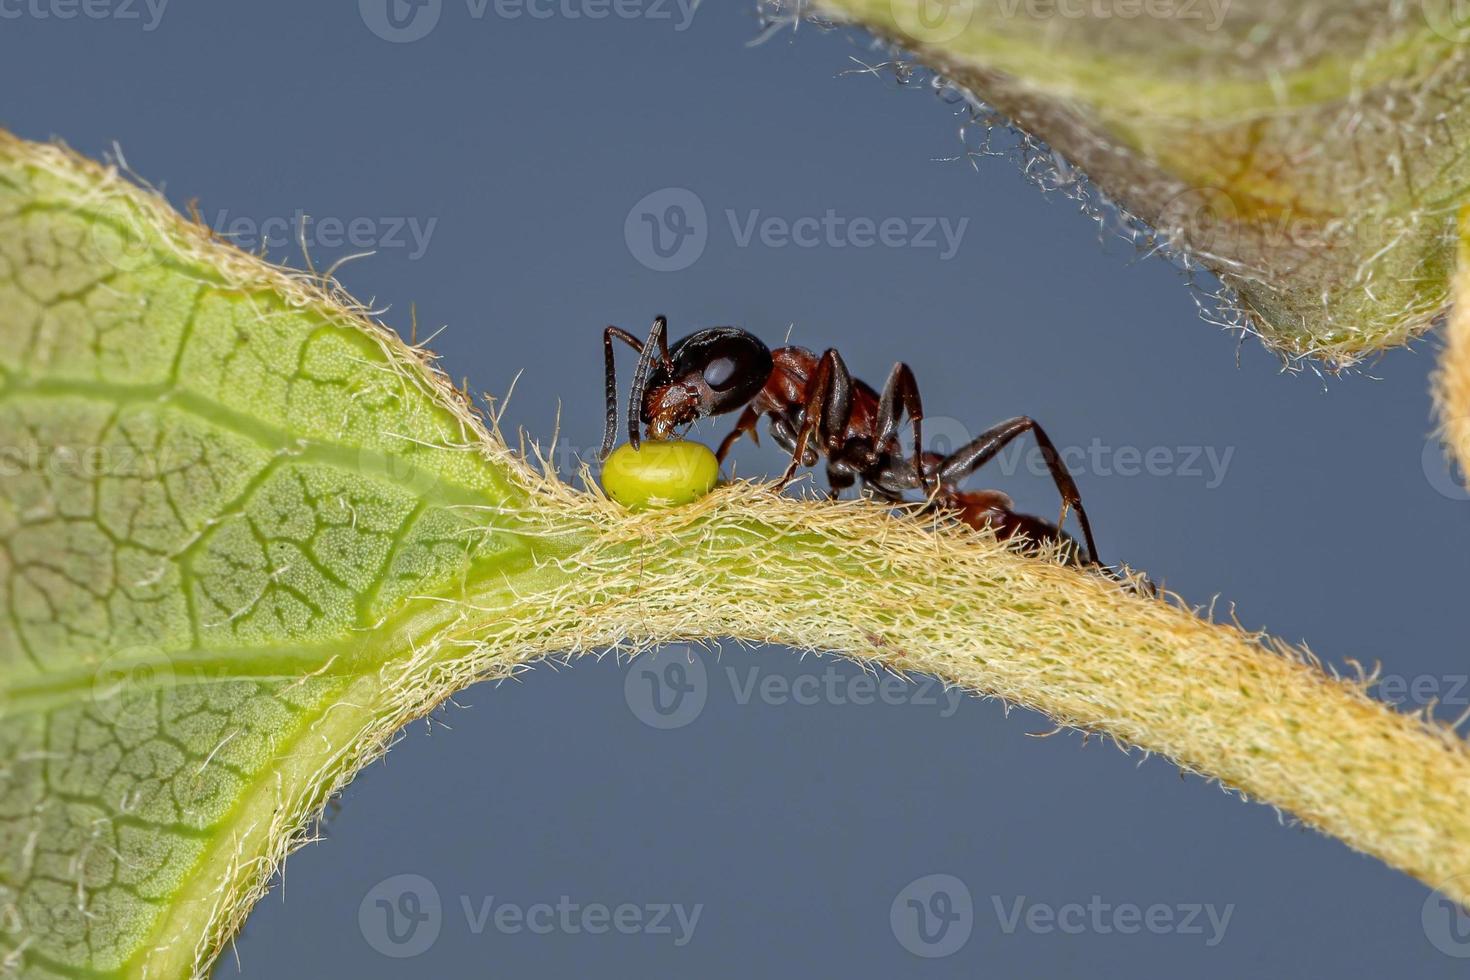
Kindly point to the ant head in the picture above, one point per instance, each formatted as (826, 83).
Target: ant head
(726, 365)
(713, 371)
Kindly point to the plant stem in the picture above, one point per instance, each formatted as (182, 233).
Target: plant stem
(1452, 383)
(1258, 716)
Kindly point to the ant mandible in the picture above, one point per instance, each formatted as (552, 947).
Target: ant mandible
(816, 408)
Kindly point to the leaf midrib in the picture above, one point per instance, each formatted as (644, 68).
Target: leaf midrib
(427, 485)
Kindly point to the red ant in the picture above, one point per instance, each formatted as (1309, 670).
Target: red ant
(817, 408)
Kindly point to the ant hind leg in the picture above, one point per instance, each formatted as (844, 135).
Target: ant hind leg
(901, 395)
(984, 447)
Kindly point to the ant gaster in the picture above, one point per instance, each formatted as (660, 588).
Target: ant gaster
(816, 408)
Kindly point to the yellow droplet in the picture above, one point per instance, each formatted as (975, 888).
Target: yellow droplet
(660, 473)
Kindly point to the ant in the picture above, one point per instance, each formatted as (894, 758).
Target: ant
(816, 408)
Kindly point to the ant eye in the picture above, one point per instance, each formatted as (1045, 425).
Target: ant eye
(719, 373)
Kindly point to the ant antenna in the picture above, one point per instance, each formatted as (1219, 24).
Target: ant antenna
(610, 426)
(640, 378)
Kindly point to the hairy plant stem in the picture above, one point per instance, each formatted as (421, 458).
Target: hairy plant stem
(1452, 383)
(1258, 716)
(903, 595)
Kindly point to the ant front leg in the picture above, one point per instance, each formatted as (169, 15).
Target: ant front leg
(610, 382)
(746, 423)
(984, 448)
(900, 395)
(825, 411)
(656, 345)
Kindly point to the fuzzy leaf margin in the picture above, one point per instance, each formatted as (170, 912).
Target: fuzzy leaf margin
(1313, 155)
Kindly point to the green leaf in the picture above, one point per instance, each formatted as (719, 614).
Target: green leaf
(223, 509)
(1311, 154)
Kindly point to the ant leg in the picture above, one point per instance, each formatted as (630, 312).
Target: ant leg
(838, 480)
(901, 394)
(836, 404)
(983, 449)
(825, 412)
(746, 423)
(659, 336)
(610, 380)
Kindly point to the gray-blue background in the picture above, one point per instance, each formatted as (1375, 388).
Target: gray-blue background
(526, 141)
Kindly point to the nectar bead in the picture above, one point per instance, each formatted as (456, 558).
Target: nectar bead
(661, 473)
